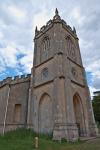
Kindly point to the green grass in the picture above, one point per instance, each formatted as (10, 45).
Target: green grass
(23, 139)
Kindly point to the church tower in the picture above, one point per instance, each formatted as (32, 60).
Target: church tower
(59, 98)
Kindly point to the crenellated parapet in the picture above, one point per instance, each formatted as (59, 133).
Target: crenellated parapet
(15, 80)
(50, 23)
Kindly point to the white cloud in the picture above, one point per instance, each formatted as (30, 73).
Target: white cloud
(41, 18)
(77, 15)
(19, 15)
(27, 62)
(1, 69)
(8, 56)
(1, 35)
(95, 66)
(92, 89)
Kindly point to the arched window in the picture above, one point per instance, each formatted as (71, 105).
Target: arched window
(44, 73)
(45, 47)
(46, 44)
(17, 113)
(74, 72)
(70, 48)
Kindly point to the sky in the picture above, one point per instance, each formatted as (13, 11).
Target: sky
(18, 19)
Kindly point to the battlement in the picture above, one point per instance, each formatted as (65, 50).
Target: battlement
(56, 19)
(15, 79)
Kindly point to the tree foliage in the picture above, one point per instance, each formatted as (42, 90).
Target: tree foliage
(96, 108)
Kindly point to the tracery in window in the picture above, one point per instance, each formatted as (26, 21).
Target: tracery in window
(74, 72)
(46, 44)
(44, 73)
(71, 48)
(45, 47)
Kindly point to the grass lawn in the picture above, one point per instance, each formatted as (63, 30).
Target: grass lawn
(24, 140)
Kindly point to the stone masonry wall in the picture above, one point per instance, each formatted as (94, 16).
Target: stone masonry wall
(13, 91)
(3, 102)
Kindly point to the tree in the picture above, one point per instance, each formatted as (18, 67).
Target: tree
(96, 108)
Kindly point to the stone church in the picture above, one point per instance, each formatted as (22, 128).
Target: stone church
(54, 98)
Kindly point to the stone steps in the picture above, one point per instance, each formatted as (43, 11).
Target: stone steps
(89, 138)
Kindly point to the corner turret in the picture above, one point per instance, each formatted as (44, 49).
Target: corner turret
(36, 30)
(56, 17)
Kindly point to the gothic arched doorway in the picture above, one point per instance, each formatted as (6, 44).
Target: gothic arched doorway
(79, 115)
(45, 115)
